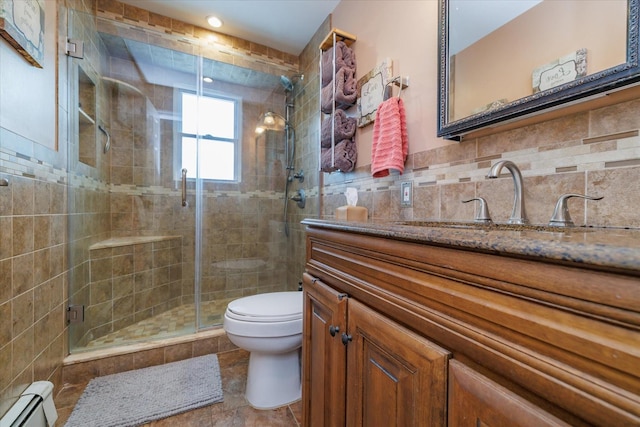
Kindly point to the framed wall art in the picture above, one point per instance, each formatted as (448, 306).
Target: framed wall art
(371, 89)
(22, 25)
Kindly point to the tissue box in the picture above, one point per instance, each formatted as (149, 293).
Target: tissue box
(352, 213)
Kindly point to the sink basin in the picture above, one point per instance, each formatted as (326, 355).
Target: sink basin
(487, 227)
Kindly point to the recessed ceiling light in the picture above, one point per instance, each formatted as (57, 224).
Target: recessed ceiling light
(214, 21)
(207, 79)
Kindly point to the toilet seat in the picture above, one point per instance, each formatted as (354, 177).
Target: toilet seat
(269, 327)
(267, 307)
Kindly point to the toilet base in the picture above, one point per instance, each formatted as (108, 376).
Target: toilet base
(273, 380)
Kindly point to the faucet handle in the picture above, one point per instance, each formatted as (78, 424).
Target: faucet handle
(561, 217)
(482, 215)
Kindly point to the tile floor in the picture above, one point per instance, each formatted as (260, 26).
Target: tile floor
(234, 411)
(174, 322)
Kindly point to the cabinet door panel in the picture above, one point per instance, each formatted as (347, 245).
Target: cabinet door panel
(475, 400)
(324, 356)
(394, 377)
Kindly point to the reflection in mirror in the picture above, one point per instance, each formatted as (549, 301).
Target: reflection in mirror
(501, 59)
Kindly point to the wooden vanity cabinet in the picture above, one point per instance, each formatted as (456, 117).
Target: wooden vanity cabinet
(475, 400)
(323, 355)
(441, 336)
(375, 372)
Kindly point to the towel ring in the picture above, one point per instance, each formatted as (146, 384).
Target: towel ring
(401, 82)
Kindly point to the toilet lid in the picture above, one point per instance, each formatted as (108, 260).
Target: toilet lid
(267, 307)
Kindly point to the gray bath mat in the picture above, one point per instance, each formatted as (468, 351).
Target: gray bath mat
(136, 397)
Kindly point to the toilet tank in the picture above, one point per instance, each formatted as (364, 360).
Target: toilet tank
(34, 408)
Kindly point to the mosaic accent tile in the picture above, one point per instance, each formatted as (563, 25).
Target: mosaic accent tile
(177, 321)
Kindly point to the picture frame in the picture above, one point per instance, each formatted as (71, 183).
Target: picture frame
(22, 25)
(371, 89)
(563, 70)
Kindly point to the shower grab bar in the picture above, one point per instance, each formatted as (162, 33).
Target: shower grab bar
(184, 187)
(107, 146)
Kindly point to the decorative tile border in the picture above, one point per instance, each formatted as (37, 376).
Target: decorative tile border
(218, 46)
(618, 150)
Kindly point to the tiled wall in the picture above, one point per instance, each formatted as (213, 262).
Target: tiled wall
(50, 215)
(89, 210)
(33, 279)
(241, 223)
(595, 153)
(217, 46)
(131, 279)
(307, 151)
(33, 252)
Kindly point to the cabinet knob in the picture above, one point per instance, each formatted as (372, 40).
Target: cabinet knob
(333, 330)
(346, 338)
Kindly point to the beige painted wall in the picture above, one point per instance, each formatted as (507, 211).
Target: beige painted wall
(28, 93)
(501, 64)
(406, 32)
(590, 152)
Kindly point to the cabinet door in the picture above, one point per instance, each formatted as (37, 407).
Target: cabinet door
(394, 377)
(475, 400)
(323, 355)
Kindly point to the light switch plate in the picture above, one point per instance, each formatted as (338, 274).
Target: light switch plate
(406, 194)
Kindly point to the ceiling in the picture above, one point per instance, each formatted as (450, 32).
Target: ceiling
(471, 20)
(285, 25)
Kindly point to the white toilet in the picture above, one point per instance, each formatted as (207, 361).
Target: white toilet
(269, 326)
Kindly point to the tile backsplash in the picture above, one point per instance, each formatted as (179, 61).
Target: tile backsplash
(595, 153)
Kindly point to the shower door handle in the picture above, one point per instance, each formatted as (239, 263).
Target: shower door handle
(184, 187)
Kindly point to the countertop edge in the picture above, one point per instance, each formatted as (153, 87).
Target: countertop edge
(609, 249)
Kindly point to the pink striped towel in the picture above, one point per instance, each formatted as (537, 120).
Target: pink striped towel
(390, 139)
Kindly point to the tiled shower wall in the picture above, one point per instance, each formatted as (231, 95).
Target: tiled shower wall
(131, 279)
(46, 210)
(242, 238)
(307, 151)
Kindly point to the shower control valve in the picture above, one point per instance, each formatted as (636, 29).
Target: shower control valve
(299, 176)
(300, 198)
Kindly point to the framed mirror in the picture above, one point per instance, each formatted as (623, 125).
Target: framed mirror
(501, 60)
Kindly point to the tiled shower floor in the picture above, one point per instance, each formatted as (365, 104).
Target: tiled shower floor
(177, 321)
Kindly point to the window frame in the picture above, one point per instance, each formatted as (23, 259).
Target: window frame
(178, 135)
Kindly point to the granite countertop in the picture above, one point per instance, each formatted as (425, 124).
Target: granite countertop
(608, 248)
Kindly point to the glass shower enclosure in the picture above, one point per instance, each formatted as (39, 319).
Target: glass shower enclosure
(175, 204)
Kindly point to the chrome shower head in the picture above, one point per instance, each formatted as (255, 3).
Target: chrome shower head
(288, 82)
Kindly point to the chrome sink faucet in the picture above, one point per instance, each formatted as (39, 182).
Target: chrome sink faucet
(518, 215)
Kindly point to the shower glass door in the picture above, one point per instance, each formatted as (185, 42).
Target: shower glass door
(175, 204)
(131, 236)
